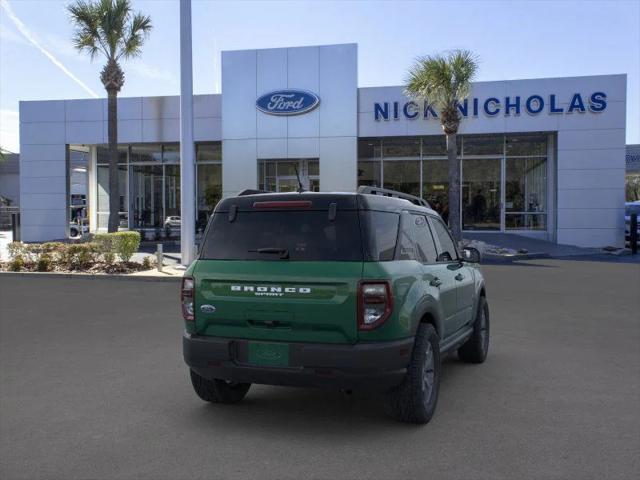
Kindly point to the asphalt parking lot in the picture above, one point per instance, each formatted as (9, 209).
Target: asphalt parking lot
(93, 386)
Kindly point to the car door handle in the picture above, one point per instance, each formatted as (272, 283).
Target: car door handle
(459, 277)
(435, 282)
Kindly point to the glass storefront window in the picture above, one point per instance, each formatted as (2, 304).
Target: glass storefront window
(102, 191)
(209, 181)
(209, 152)
(481, 194)
(171, 153)
(435, 186)
(102, 154)
(401, 147)
(482, 145)
(435, 146)
(281, 175)
(403, 176)
(144, 153)
(525, 221)
(369, 173)
(171, 191)
(209, 192)
(368, 148)
(525, 193)
(526, 144)
(146, 193)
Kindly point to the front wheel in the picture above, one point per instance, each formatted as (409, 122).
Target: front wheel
(218, 391)
(475, 349)
(415, 399)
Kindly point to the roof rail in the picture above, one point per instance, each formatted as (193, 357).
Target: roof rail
(251, 191)
(367, 189)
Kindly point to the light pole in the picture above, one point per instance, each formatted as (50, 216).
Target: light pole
(187, 147)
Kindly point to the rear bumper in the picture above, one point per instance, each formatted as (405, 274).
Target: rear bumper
(365, 366)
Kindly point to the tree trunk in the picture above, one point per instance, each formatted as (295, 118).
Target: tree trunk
(454, 187)
(114, 193)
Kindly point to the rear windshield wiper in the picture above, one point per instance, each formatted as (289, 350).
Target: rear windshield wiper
(283, 252)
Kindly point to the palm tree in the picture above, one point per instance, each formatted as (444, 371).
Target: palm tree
(444, 81)
(112, 29)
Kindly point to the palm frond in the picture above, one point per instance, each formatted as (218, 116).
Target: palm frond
(109, 27)
(442, 80)
(139, 29)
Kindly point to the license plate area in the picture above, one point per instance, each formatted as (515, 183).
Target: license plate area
(267, 354)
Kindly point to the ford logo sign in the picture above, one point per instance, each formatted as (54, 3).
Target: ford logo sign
(287, 102)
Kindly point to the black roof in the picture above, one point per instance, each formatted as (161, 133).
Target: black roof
(322, 200)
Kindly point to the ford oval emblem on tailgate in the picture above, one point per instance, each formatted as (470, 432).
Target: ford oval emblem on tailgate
(207, 308)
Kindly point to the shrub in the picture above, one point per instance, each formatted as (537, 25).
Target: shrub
(126, 244)
(44, 263)
(80, 255)
(17, 263)
(16, 249)
(104, 242)
(109, 258)
(147, 263)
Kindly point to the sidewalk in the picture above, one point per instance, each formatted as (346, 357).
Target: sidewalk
(6, 237)
(505, 247)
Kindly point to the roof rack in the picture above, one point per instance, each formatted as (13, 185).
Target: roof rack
(251, 191)
(367, 189)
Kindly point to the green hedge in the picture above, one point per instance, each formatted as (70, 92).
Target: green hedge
(74, 256)
(126, 244)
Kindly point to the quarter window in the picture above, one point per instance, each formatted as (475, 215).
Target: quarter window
(424, 240)
(406, 249)
(447, 251)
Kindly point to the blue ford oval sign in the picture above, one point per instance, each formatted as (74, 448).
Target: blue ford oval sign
(287, 102)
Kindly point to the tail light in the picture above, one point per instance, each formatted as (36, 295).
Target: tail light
(375, 303)
(186, 298)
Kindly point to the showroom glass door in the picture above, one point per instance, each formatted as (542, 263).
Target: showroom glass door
(481, 194)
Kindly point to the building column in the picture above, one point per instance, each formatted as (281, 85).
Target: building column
(187, 147)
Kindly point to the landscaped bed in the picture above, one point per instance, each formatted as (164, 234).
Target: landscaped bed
(101, 253)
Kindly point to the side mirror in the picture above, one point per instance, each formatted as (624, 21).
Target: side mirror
(471, 255)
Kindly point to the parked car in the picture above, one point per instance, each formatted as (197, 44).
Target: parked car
(349, 291)
(75, 230)
(172, 222)
(629, 208)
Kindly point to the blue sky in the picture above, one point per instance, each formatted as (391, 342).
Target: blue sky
(513, 40)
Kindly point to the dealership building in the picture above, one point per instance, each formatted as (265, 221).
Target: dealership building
(542, 157)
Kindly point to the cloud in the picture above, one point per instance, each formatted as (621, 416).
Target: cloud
(151, 72)
(9, 130)
(24, 30)
(8, 35)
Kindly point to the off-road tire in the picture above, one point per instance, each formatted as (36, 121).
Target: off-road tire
(218, 391)
(410, 402)
(475, 349)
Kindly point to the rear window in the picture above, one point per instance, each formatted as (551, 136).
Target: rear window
(284, 235)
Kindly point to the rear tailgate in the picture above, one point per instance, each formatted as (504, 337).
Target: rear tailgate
(281, 267)
(293, 301)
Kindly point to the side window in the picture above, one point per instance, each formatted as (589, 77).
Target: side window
(424, 241)
(447, 251)
(382, 234)
(406, 250)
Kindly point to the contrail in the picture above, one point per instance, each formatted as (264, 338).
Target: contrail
(31, 38)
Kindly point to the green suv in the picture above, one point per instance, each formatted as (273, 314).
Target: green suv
(353, 291)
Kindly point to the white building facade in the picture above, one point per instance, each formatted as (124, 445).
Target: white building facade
(542, 158)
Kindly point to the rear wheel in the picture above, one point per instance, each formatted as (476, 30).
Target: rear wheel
(415, 399)
(218, 391)
(476, 348)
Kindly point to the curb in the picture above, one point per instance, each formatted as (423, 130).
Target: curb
(489, 258)
(90, 276)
